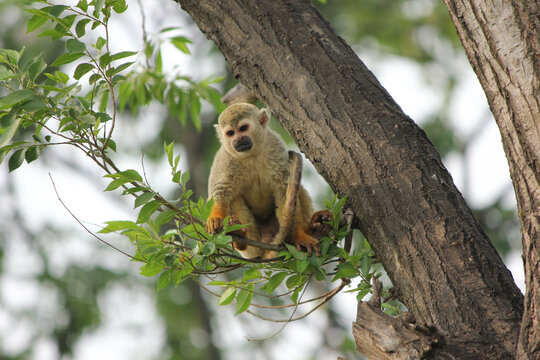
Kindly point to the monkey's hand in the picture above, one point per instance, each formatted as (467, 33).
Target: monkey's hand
(301, 238)
(214, 225)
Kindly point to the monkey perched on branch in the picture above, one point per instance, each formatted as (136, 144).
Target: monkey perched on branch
(255, 181)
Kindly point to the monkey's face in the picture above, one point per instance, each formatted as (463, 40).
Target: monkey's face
(242, 129)
(239, 139)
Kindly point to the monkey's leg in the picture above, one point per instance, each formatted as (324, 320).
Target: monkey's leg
(243, 215)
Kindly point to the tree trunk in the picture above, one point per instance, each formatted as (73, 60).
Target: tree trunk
(502, 41)
(440, 261)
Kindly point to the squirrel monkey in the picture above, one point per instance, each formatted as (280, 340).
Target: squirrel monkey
(248, 182)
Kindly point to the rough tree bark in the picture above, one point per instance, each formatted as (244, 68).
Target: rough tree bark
(440, 261)
(502, 41)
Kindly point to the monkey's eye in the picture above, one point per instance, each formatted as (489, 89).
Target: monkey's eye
(230, 133)
(243, 128)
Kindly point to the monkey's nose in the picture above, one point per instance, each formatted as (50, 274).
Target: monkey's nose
(243, 144)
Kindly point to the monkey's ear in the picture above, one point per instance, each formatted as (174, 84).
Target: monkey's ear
(263, 118)
(218, 130)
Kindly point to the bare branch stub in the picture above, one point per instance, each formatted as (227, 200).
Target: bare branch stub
(381, 336)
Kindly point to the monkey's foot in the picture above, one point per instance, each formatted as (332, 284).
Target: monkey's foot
(318, 226)
(307, 241)
(233, 220)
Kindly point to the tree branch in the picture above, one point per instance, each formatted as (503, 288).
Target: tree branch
(360, 141)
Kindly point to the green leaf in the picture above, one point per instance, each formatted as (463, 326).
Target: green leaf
(244, 299)
(128, 175)
(208, 249)
(147, 210)
(143, 199)
(207, 209)
(14, 98)
(98, 6)
(88, 119)
(122, 55)
(80, 28)
(83, 5)
(55, 10)
(294, 296)
(116, 70)
(228, 296)
(132, 175)
(301, 266)
(345, 269)
(100, 43)
(180, 43)
(119, 6)
(33, 104)
(82, 69)
(75, 46)
(218, 283)
(164, 217)
(36, 68)
(52, 33)
(320, 274)
(151, 269)
(65, 24)
(181, 106)
(35, 22)
(221, 240)
(192, 230)
(67, 58)
(10, 56)
(171, 28)
(159, 62)
(16, 160)
(294, 281)
(361, 294)
(115, 184)
(275, 281)
(93, 78)
(7, 74)
(299, 255)
(251, 274)
(195, 110)
(118, 225)
(62, 77)
(11, 124)
(185, 178)
(164, 279)
(365, 264)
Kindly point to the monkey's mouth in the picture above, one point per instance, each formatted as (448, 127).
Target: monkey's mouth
(243, 145)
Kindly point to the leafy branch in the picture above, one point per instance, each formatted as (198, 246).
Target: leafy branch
(44, 106)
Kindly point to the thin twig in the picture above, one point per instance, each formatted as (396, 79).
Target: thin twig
(85, 228)
(325, 300)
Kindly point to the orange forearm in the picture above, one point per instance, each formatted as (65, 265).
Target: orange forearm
(218, 211)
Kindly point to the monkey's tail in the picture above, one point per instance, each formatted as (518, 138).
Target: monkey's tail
(293, 185)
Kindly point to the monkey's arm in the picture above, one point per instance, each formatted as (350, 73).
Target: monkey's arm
(222, 191)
